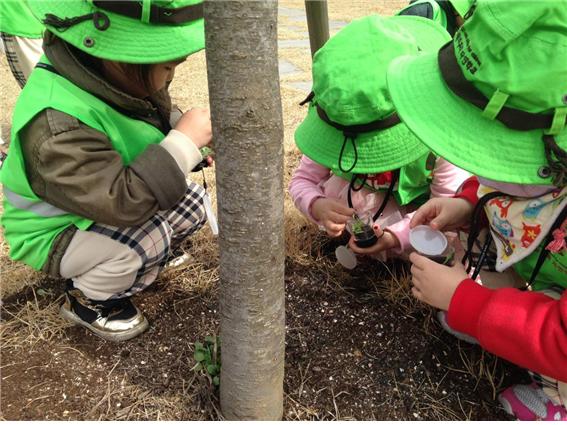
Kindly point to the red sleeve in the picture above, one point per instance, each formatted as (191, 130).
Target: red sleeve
(468, 190)
(526, 328)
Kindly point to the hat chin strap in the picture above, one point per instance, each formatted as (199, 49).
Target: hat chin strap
(351, 132)
(387, 196)
(512, 118)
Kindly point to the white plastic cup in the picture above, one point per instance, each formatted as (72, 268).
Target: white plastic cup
(345, 257)
(432, 244)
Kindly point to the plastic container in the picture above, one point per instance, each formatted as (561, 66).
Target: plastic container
(432, 244)
(360, 227)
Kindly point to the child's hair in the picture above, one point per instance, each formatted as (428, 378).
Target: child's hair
(139, 73)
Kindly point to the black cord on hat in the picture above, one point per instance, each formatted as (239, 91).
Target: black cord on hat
(557, 165)
(100, 21)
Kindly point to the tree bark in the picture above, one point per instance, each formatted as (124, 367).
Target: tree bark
(242, 66)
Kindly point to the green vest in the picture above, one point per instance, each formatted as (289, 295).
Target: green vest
(553, 272)
(17, 19)
(413, 183)
(31, 225)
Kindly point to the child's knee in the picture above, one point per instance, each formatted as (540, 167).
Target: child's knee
(111, 277)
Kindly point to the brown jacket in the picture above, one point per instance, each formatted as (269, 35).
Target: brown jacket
(75, 168)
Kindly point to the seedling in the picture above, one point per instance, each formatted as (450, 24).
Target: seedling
(208, 358)
(361, 229)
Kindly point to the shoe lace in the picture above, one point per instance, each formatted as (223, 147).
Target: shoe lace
(110, 307)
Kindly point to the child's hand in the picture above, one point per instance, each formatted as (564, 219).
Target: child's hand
(332, 214)
(386, 240)
(434, 283)
(196, 124)
(443, 214)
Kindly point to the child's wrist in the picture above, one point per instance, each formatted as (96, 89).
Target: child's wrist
(313, 212)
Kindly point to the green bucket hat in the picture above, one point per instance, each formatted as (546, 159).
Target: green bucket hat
(461, 6)
(494, 101)
(145, 31)
(351, 125)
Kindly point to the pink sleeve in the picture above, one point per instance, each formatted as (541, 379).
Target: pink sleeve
(304, 187)
(401, 231)
(446, 179)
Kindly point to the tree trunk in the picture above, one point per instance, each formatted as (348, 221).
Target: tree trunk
(242, 65)
(317, 23)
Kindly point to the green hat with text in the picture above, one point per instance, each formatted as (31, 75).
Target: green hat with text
(494, 101)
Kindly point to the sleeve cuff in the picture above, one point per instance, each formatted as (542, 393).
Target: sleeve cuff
(182, 149)
(466, 307)
(308, 204)
(468, 191)
(401, 231)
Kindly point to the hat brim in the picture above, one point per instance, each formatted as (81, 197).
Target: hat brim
(456, 130)
(126, 39)
(377, 152)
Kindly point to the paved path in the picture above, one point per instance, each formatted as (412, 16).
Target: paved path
(294, 20)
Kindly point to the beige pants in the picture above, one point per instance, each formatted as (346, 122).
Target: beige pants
(109, 262)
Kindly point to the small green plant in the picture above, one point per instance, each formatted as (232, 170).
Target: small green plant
(208, 358)
(358, 226)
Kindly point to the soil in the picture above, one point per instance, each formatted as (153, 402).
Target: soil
(350, 353)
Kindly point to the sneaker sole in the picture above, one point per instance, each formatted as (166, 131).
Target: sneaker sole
(505, 405)
(109, 336)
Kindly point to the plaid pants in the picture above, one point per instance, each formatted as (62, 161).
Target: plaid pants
(22, 55)
(150, 243)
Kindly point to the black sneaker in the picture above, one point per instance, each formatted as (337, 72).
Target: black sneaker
(113, 320)
(177, 260)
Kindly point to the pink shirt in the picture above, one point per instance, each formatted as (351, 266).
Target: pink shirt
(311, 181)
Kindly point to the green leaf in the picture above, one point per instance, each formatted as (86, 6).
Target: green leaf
(212, 369)
(216, 380)
(198, 367)
(199, 346)
(199, 356)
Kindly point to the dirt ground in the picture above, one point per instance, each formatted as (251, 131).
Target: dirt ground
(357, 346)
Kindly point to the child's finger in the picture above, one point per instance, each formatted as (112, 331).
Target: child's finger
(422, 215)
(334, 227)
(459, 249)
(417, 293)
(378, 230)
(415, 272)
(338, 218)
(419, 261)
(374, 249)
(343, 209)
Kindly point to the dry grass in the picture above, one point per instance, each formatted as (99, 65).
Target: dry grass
(31, 323)
(35, 320)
